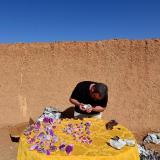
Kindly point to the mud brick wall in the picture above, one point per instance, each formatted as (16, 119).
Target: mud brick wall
(35, 75)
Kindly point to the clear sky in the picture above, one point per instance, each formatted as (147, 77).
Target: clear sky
(78, 20)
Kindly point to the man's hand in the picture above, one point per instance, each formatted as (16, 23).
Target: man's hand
(81, 106)
(89, 110)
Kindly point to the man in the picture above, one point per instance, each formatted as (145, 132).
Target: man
(88, 92)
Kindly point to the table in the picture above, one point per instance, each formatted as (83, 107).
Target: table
(97, 150)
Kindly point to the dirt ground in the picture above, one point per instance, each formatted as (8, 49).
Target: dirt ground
(8, 149)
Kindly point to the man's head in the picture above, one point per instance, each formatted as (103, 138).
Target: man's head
(98, 91)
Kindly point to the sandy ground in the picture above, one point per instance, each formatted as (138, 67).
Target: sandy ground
(8, 149)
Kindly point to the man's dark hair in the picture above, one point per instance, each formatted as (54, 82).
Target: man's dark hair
(102, 89)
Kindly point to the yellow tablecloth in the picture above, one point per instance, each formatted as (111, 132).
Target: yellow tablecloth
(98, 150)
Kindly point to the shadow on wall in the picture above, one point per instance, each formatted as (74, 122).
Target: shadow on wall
(68, 113)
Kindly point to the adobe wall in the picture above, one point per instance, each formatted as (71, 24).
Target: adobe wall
(35, 75)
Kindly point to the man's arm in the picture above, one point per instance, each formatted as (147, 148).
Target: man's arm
(77, 103)
(101, 107)
(74, 101)
(96, 109)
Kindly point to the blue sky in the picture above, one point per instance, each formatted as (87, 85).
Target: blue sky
(78, 20)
